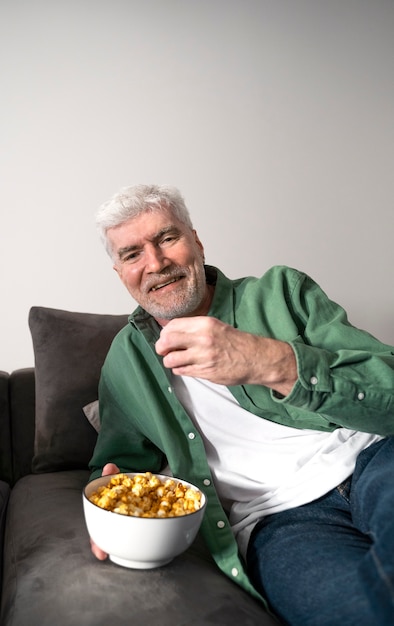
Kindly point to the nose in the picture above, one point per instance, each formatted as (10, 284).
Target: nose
(155, 259)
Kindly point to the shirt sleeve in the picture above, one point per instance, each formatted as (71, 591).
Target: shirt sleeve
(344, 373)
(119, 440)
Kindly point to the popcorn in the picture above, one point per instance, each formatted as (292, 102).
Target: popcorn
(146, 495)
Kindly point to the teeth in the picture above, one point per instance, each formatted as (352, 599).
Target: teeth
(174, 280)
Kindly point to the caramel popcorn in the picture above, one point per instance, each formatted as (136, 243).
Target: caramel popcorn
(146, 495)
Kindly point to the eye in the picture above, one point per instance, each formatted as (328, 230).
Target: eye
(131, 256)
(169, 239)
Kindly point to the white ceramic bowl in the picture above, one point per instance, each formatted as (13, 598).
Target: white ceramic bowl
(140, 542)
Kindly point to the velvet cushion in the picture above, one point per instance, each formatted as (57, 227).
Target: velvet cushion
(92, 412)
(51, 576)
(69, 350)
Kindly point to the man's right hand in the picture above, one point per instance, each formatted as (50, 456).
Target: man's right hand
(205, 347)
(109, 468)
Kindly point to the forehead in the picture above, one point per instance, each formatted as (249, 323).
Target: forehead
(143, 228)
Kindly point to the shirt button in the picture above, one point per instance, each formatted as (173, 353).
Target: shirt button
(191, 435)
(234, 571)
(361, 395)
(220, 524)
(206, 482)
(313, 380)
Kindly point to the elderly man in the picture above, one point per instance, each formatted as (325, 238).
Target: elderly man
(260, 392)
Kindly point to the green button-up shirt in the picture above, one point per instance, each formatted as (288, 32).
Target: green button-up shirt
(345, 378)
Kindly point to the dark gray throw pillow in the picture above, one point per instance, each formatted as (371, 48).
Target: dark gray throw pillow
(69, 351)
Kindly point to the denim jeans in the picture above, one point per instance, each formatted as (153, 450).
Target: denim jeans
(331, 562)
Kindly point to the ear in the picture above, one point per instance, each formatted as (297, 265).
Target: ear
(118, 270)
(199, 244)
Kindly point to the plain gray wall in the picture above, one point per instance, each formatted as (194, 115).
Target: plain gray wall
(274, 118)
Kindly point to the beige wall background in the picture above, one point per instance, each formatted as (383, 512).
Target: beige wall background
(274, 118)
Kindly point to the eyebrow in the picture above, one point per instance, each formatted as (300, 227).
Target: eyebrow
(171, 228)
(123, 251)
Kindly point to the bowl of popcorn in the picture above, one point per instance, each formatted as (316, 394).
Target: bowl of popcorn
(142, 520)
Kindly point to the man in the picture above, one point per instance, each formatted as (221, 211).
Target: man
(259, 391)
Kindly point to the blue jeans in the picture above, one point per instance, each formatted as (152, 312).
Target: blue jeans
(331, 562)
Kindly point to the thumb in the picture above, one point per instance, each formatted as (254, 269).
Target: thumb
(110, 468)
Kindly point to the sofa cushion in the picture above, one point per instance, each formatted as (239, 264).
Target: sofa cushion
(92, 412)
(51, 576)
(69, 350)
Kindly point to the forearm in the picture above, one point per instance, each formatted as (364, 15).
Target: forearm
(271, 363)
(119, 440)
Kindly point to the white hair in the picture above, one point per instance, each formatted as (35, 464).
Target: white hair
(132, 201)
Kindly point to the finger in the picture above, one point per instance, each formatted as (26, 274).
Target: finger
(177, 358)
(110, 468)
(170, 342)
(98, 552)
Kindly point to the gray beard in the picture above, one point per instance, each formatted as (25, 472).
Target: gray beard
(182, 306)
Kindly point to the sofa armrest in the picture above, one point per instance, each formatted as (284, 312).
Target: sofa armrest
(5, 430)
(4, 495)
(22, 409)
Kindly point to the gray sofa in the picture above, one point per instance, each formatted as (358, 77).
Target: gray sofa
(49, 575)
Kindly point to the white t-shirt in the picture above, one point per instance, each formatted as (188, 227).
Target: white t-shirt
(260, 467)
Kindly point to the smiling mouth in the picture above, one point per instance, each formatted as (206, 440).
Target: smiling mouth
(169, 282)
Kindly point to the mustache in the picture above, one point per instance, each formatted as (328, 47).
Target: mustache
(158, 279)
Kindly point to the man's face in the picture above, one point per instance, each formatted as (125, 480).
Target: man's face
(160, 260)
